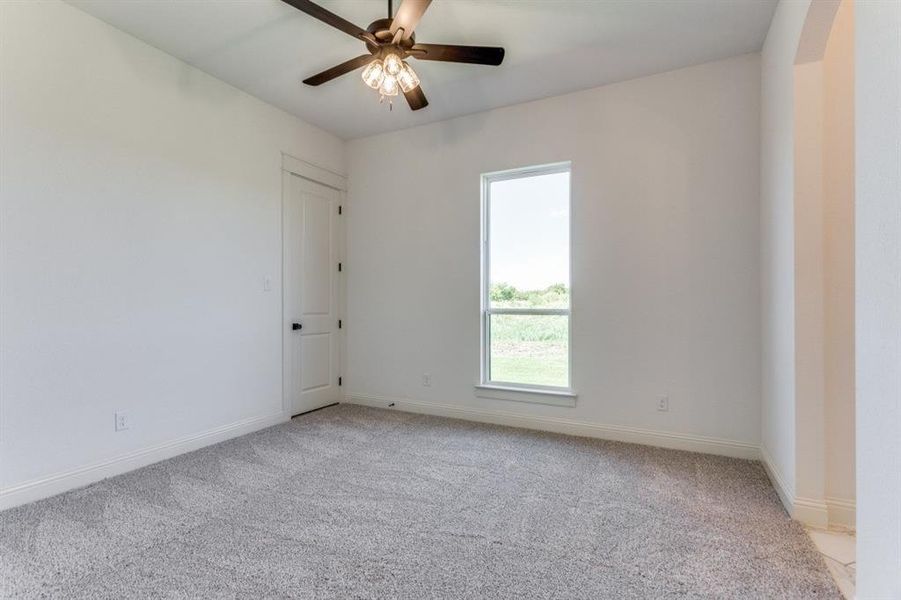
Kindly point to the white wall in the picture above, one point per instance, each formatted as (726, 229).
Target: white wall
(807, 196)
(878, 297)
(777, 241)
(665, 250)
(140, 213)
(810, 454)
(838, 262)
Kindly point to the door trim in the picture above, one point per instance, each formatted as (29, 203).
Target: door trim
(330, 179)
(314, 173)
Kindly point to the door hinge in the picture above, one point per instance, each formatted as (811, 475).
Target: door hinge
(339, 323)
(339, 381)
(339, 267)
(340, 209)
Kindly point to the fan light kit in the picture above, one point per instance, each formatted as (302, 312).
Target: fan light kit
(389, 42)
(388, 75)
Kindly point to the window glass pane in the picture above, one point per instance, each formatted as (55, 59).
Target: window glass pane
(528, 233)
(529, 349)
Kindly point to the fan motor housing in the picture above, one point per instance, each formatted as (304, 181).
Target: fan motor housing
(381, 29)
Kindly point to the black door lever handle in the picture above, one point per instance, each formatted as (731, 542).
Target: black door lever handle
(296, 326)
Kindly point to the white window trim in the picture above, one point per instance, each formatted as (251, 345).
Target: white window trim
(553, 397)
(505, 390)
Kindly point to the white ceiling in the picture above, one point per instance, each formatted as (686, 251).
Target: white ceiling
(266, 48)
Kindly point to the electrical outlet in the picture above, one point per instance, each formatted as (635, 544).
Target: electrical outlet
(663, 403)
(427, 379)
(122, 421)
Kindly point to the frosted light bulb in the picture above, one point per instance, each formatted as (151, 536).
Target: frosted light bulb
(393, 65)
(407, 78)
(373, 74)
(389, 86)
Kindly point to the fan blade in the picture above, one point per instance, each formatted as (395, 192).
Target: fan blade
(408, 15)
(337, 71)
(416, 99)
(477, 55)
(330, 18)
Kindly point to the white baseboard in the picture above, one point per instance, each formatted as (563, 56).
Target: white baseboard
(786, 493)
(842, 513)
(663, 439)
(58, 483)
(812, 512)
(829, 513)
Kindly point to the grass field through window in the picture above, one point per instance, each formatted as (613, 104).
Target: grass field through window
(529, 349)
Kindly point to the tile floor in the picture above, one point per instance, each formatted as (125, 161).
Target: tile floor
(839, 551)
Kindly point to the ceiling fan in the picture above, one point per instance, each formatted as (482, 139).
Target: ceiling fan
(388, 42)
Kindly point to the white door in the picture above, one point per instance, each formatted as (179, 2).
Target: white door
(310, 226)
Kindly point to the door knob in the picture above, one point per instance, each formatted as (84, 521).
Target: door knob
(296, 326)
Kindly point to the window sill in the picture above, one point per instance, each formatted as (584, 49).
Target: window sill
(534, 396)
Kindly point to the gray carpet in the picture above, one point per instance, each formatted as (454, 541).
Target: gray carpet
(352, 502)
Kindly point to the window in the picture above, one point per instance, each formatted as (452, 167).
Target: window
(526, 279)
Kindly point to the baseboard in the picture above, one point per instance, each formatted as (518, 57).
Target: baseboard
(809, 511)
(812, 512)
(842, 513)
(785, 492)
(58, 483)
(663, 439)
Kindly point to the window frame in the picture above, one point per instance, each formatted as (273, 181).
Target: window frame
(486, 383)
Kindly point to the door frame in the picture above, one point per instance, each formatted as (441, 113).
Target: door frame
(330, 179)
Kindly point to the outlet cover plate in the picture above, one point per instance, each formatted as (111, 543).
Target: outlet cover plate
(122, 421)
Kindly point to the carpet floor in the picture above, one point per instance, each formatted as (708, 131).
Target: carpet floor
(354, 502)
